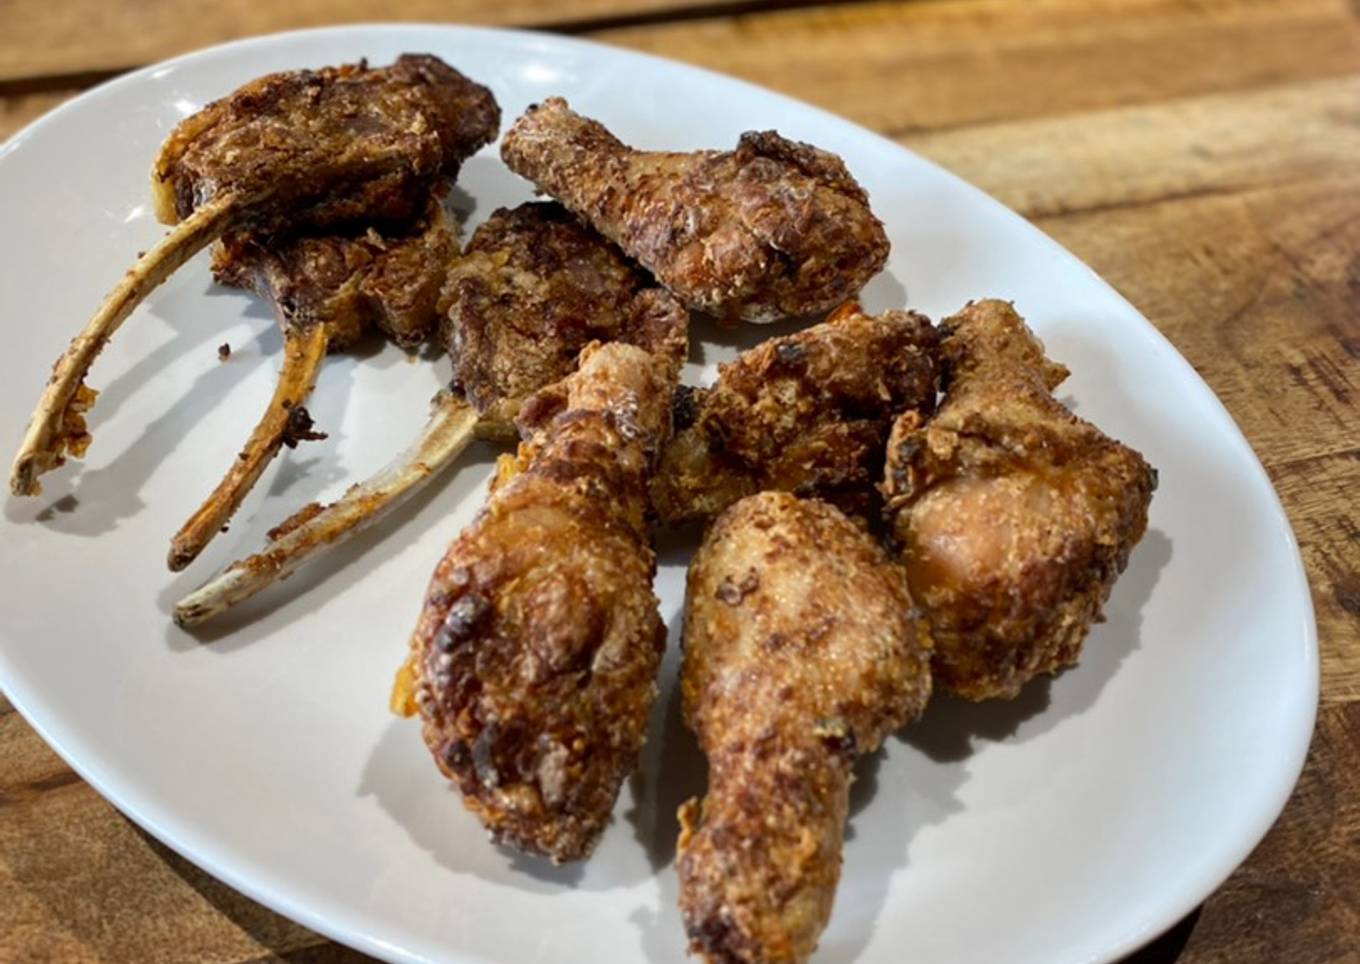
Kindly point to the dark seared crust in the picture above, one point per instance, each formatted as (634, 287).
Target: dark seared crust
(317, 148)
(533, 287)
(534, 661)
(352, 283)
(1014, 517)
(808, 413)
(800, 654)
(774, 228)
(465, 114)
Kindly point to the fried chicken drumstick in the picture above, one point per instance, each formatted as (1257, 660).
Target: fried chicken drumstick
(533, 665)
(800, 654)
(308, 150)
(532, 289)
(1014, 517)
(773, 229)
(808, 413)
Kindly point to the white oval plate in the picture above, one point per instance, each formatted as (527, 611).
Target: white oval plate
(1071, 825)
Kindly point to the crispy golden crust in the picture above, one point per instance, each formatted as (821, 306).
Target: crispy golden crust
(1013, 516)
(808, 413)
(326, 147)
(533, 664)
(774, 228)
(800, 654)
(351, 282)
(533, 287)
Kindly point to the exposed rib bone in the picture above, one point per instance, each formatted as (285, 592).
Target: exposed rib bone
(314, 528)
(58, 426)
(303, 351)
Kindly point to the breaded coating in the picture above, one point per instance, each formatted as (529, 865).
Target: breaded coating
(532, 289)
(534, 662)
(352, 282)
(775, 228)
(1013, 516)
(800, 654)
(808, 413)
(327, 147)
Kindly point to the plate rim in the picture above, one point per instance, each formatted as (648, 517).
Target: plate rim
(258, 883)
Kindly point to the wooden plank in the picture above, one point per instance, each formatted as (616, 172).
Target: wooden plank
(1304, 873)
(1195, 153)
(902, 68)
(1218, 143)
(905, 67)
(1294, 899)
(79, 882)
(45, 39)
(1258, 289)
(1233, 222)
(1113, 191)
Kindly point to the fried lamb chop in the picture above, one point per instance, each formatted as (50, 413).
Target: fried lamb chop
(1013, 516)
(532, 289)
(286, 155)
(775, 228)
(535, 287)
(800, 654)
(328, 290)
(533, 664)
(384, 278)
(807, 413)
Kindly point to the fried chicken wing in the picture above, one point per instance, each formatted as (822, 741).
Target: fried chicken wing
(1013, 516)
(800, 653)
(775, 228)
(533, 665)
(532, 289)
(808, 413)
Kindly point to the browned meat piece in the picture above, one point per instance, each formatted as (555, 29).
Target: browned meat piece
(535, 287)
(533, 664)
(324, 147)
(808, 413)
(774, 228)
(800, 654)
(1013, 516)
(349, 282)
(532, 289)
(307, 149)
(325, 264)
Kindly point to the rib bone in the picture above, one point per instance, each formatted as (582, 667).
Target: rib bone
(313, 529)
(315, 149)
(303, 351)
(58, 425)
(533, 287)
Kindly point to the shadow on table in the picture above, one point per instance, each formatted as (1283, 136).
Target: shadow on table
(1167, 948)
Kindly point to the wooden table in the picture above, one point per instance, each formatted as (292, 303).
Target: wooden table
(1204, 157)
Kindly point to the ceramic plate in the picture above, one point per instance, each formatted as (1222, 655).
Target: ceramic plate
(1070, 825)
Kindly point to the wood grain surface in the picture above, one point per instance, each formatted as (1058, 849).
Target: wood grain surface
(1201, 155)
